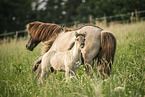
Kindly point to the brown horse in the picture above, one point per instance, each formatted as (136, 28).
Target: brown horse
(103, 44)
(41, 32)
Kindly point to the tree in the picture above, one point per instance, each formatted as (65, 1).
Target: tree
(14, 14)
(99, 8)
(71, 10)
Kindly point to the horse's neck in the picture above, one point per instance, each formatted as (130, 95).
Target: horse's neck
(76, 50)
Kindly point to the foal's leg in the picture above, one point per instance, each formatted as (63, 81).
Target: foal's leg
(67, 69)
(44, 70)
(43, 73)
(45, 65)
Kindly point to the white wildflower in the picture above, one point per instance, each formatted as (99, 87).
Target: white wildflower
(119, 88)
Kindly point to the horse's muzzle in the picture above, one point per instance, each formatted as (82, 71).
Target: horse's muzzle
(28, 48)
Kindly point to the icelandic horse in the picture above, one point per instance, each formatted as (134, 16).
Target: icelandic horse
(99, 45)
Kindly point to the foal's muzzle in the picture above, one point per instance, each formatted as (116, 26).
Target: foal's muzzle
(82, 45)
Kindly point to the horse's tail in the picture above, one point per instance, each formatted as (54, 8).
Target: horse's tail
(107, 52)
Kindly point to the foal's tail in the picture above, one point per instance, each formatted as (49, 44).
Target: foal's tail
(107, 51)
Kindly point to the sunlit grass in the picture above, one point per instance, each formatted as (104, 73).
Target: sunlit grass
(127, 77)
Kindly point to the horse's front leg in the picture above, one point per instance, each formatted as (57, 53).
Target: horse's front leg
(38, 72)
(36, 64)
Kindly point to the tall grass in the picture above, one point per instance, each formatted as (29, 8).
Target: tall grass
(127, 77)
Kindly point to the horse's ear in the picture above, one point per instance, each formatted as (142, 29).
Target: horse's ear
(76, 34)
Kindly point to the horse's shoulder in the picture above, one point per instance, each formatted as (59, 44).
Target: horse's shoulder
(51, 52)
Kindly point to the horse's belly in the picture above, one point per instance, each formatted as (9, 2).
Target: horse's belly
(57, 61)
(58, 67)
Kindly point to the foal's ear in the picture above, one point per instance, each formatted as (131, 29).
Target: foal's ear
(76, 34)
(85, 34)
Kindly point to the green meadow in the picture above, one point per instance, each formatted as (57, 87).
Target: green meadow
(127, 77)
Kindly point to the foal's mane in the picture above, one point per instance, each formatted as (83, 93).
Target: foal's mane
(43, 31)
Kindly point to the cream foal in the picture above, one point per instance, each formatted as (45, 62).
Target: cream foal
(63, 60)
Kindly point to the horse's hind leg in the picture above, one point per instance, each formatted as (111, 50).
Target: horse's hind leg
(88, 65)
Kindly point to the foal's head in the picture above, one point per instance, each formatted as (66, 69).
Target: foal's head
(80, 39)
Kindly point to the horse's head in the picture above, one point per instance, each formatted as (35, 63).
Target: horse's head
(32, 43)
(80, 39)
(41, 32)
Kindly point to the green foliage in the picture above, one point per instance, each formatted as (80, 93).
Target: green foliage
(126, 79)
(15, 14)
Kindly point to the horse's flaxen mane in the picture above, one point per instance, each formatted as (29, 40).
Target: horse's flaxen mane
(43, 31)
